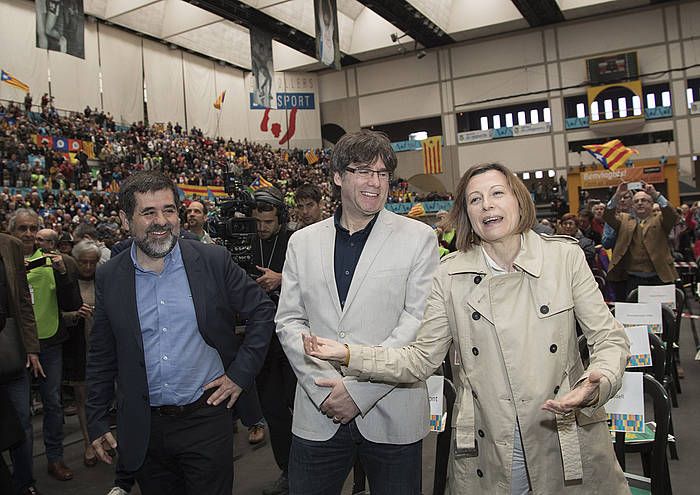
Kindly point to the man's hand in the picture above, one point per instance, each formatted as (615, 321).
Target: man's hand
(104, 444)
(650, 190)
(584, 395)
(34, 363)
(338, 406)
(57, 263)
(225, 388)
(269, 280)
(86, 311)
(621, 190)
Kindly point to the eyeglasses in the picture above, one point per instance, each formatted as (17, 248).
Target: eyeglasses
(366, 173)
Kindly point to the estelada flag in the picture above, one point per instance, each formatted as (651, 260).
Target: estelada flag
(13, 81)
(220, 100)
(432, 155)
(612, 154)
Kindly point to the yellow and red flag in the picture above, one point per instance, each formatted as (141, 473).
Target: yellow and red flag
(417, 210)
(612, 154)
(432, 155)
(220, 100)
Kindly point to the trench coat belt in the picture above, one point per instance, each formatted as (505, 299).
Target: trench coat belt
(568, 440)
(465, 440)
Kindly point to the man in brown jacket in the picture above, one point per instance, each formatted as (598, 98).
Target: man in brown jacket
(14, 393)
(641, 255)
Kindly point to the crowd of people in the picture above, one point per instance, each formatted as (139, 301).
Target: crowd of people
(350, 287)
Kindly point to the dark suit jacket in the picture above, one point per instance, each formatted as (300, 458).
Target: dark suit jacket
(18, 299)
(655, 238)
(220, 289)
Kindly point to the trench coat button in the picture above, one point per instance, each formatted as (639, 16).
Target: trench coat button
(475, 351)
(474, 395)
(479, 473)
(341, 335)
(481, 433)
(477, 279)
(553, 348)
(556, 390)
(475, 316)
(544, 309)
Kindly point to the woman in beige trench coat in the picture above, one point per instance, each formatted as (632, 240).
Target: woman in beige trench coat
(528, 418)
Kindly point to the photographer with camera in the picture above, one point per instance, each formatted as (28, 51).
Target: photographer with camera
(53, 285)
(276, 382)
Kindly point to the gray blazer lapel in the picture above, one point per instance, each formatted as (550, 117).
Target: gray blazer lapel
(327, 242)
(381, 231)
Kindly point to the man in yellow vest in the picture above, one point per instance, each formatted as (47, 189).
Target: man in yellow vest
(53, 286)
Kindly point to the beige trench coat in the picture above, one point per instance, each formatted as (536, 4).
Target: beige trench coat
(515, 347)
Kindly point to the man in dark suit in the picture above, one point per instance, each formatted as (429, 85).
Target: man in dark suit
(164, 327)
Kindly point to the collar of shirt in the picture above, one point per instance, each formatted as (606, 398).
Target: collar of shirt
(361, 233)
(172, 259)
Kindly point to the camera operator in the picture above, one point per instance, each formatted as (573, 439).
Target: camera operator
(276, 382)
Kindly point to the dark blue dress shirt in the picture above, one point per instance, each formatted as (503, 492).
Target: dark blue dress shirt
(348, 249)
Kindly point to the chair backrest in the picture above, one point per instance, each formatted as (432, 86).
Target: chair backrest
(660, 479)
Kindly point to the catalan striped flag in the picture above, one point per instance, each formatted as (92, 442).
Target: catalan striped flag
(417, 210)
(612, 154)
(311, 157)
(432, 155)
(13, 81)
(220, 100)
(259, 183)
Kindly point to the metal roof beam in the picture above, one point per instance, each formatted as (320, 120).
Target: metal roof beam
(247, 16)
(539, 12)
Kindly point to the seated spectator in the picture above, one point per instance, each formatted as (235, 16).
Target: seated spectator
(569, 226)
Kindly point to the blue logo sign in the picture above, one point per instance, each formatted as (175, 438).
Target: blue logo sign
(287, 101)
(406, 145)
(657, 113)
(576, 123)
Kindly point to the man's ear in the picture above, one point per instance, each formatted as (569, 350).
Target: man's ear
(124, 219)
(337, 179)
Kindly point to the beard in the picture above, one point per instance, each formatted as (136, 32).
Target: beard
(158, 248)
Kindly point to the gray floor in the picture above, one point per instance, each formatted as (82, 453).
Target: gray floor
(255, 467)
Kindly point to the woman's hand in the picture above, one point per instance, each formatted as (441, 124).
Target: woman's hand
(584, 395)
(326, 349)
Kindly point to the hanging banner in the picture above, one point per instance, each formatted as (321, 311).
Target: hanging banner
(611, 178)
(327, 45)
(60, 26)
(263, 68)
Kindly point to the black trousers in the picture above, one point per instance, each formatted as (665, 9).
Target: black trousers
(190, 454)
(276, 387)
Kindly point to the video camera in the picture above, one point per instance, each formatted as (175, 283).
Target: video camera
(233, 224)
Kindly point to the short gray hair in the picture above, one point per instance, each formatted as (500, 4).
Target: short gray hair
(86, 247)
(23, 211)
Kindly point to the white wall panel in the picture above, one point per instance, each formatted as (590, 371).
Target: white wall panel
(232, 122)
(602, 34)
(501, 53)
(163, 74)
(122, 77)
(20, 57)
(406, 104)
(398, 73)
(200, 93)
(690, 13)
(332, 86)
(652, 59)
(74, 81)
(502, 84)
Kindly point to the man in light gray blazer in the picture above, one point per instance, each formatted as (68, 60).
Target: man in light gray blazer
(360, 277)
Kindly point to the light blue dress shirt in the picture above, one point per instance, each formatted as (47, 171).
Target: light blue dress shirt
(178, 360)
